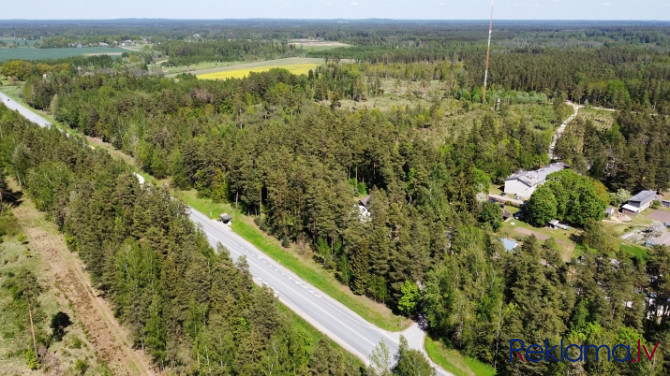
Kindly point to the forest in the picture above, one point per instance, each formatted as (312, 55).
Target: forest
(192, 309)
(281, 148)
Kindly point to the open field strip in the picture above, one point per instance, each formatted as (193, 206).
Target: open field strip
(295, 65)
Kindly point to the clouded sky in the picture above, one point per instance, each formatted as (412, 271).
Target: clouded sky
(329, 9)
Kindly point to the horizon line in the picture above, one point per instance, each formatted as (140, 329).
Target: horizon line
(339, 19)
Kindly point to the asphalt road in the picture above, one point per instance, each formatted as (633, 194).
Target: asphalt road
(329, 316)
(25, 112)
(326, 314)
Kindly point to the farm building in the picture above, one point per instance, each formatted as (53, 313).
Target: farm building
(524, 183)
(642, 200)
(665, 203)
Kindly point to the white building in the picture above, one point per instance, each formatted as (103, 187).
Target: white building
(524, 183)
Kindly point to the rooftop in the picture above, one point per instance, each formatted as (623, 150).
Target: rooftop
(643, 196)
(535, 177)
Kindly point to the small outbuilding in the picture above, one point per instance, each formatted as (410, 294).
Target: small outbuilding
(225, 218)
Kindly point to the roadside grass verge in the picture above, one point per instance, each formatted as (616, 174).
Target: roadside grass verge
(456, 363)
(307, 269)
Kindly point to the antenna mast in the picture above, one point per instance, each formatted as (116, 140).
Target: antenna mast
(488, 53)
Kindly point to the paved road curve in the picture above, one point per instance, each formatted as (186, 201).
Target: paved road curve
(326, 314)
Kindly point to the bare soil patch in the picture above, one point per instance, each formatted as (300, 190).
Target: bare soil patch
(660, 215)
(527, 232)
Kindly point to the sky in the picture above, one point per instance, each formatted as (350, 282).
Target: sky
(337, 9)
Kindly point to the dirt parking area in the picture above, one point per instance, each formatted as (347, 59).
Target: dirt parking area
(660, 215)
(527, 232)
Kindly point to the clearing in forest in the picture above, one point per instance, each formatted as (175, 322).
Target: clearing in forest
(294, 65)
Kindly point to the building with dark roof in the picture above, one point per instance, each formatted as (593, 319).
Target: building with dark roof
(641, 201)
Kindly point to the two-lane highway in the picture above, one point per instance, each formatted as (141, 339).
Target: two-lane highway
(329, 316)
(326, 314)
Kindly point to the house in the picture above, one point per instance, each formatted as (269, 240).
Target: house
(639, 202)
(225, 218)
(554, 224)
(524, 183)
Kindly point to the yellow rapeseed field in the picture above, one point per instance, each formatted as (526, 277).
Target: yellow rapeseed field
(241, 73)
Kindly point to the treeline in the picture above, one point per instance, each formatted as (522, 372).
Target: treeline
(23, 69)
(633, 154)
(187, 53)
(192, 309)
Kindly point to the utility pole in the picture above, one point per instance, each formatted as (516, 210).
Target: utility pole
(488, 53)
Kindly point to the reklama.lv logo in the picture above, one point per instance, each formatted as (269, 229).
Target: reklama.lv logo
(536, 353)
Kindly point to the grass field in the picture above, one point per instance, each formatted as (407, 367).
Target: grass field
(27, 53)
(517, 229)
(456, 363)
(294, 65)
(601, 118)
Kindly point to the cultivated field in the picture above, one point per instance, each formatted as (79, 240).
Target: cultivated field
(27, 53)
(295, 65)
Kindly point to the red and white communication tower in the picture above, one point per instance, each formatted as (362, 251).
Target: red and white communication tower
(488, 53)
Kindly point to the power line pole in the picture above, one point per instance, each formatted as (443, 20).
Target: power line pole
(488, 53)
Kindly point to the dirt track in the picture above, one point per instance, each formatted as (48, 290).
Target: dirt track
(110, 340)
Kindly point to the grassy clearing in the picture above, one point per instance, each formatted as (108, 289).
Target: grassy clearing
(305, 268)
(456, 363)
(639, 221)
(636, 251)
(601, 118)
(517, 229)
